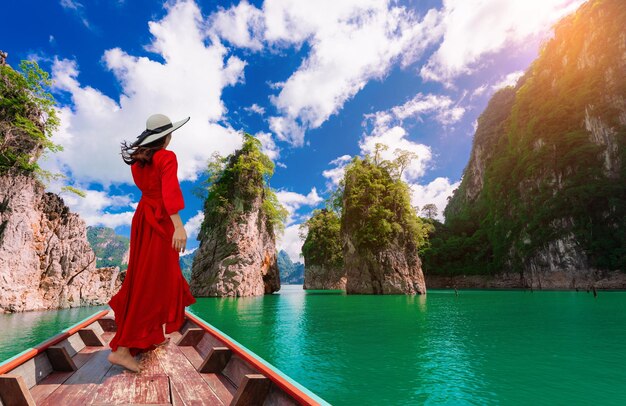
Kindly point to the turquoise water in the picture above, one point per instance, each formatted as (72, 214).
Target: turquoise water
(20, 331)
(482, 347)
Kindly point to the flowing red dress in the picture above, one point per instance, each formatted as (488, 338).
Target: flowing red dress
(154, 291)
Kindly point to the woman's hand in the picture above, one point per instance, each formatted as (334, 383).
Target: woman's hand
(179, 239)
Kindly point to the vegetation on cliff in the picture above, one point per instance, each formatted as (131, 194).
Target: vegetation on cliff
(377, 209)
(322, 245)
(108, 246)
(27, 116)
(546, 175)
(235, 182)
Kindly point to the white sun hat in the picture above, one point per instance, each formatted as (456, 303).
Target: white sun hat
(157, 126)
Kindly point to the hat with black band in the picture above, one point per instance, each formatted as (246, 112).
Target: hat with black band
(157, 126)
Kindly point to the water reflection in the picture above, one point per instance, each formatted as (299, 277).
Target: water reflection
(20, 331)
(480, 347)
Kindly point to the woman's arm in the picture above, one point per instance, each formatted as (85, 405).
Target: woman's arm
(179, 240)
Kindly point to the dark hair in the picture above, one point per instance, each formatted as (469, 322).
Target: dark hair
(142, 154)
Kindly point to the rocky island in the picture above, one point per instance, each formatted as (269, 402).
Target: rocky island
(237, 252)
(542, 203)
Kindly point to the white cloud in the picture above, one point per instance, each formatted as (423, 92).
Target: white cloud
(479, 91)
(192, 226)
(92, 207)
(351, 42)
(293, 201)
(241, 25)
(436, 192)
(281, 165)
(508, 80)
(395, 138)
(77, 8)
(290, 242)
(94, 124)
(440, 108)
(255, 108)
(473, 29)
(335, 174)
(269, 147)
(188, 252)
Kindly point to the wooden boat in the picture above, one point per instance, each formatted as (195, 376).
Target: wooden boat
(199, 366)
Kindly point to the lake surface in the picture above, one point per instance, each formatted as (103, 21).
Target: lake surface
(20, 331)
(480, 347)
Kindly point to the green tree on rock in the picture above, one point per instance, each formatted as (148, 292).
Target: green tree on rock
(322, 245)
(233, 185)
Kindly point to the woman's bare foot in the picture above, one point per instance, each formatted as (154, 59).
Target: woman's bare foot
(123, 358)
(167, 340)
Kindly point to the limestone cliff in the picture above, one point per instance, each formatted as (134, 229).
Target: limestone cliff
(45, 259)
(324, 277)
(544, 193)
(323, 252)
(237, 252)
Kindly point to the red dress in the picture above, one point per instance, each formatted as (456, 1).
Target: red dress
(154, 291)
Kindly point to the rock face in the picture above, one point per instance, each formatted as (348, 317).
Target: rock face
(237, 259)
(323, 252)
(544, 194)
(557, 280)
(395, 270)
(46, 261)
(323, 277)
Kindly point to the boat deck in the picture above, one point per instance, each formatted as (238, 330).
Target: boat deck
(194, 368)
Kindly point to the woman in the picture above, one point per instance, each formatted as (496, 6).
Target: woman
(154, 293)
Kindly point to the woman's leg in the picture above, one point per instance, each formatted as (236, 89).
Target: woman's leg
(123, 358)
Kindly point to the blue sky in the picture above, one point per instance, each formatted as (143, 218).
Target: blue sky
(317, 82)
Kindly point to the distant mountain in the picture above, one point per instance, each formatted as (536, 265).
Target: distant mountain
(186, 261)
(111, 249)
(290, 273)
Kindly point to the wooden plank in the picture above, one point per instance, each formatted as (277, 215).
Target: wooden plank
(205, 345)
(96, 327)
(129, 388)
(108, 324)
(90, 337)
(252, 391)
(149, 363)
(216, 360)
(34, 370)
(187, 325)
(51, 382)
(60, 359)
(191, 337)
(277, 397)
(14, 392)
(80, 387)
(107, 336)
(184, 378)
(73, 344)
(221, 386)
(236, 369)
